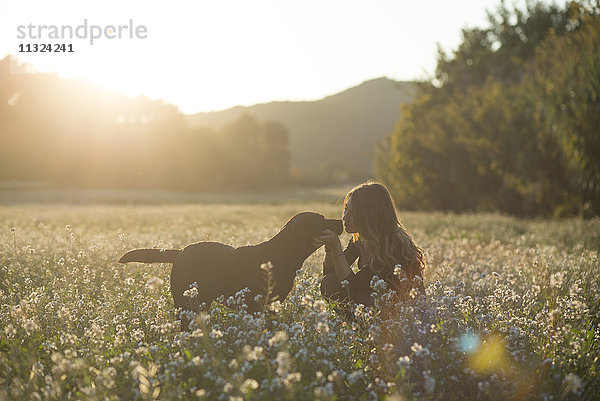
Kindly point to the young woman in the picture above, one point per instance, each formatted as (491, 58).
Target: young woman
(381, 244)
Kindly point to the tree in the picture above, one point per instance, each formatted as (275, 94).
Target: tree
(565, 80)
(256, 155)
(476, 136)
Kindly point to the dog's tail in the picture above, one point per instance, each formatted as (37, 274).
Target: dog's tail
(151, 256)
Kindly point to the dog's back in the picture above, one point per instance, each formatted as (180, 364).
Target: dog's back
(208, 264)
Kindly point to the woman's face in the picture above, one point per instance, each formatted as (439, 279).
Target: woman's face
(347, 217)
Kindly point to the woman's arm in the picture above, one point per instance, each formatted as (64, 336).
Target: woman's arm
(340, 264)
(351, 253)
(334, 255)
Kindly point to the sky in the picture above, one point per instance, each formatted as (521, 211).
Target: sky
(205, 55)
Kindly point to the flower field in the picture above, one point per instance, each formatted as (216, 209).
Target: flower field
(512, 312)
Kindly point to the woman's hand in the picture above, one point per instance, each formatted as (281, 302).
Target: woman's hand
(329, 239)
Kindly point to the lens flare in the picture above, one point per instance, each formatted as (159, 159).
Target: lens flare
(490, 356)
(468, 342)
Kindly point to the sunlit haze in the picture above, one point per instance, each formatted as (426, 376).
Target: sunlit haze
(210, 55)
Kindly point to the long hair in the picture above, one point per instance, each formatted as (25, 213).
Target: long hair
(386, 241)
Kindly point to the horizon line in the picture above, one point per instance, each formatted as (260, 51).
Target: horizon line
(33, 70)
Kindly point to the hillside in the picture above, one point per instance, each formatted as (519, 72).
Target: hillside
(335, 134)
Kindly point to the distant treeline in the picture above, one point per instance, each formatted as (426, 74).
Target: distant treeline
(72, 133)
(511, 121)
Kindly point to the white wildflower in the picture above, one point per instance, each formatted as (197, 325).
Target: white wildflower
(429, 382)
(267, 266)
(248, 384)
(573, 384)
(154, 283)
(378, 284)
(387, 347)
(419, 350)
(354, 377)
(398, 270)
(557, 279)
(191, 293)
(279, 337)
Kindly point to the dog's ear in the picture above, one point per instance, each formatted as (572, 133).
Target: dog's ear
(290, 226)
(313, 225)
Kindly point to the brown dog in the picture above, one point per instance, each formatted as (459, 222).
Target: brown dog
(220, 269)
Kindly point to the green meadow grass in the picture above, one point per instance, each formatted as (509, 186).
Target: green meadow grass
(511, 312)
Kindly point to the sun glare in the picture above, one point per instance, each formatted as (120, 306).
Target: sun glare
(213, 55)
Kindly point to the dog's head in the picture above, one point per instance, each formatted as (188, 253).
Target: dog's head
(305, 226)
